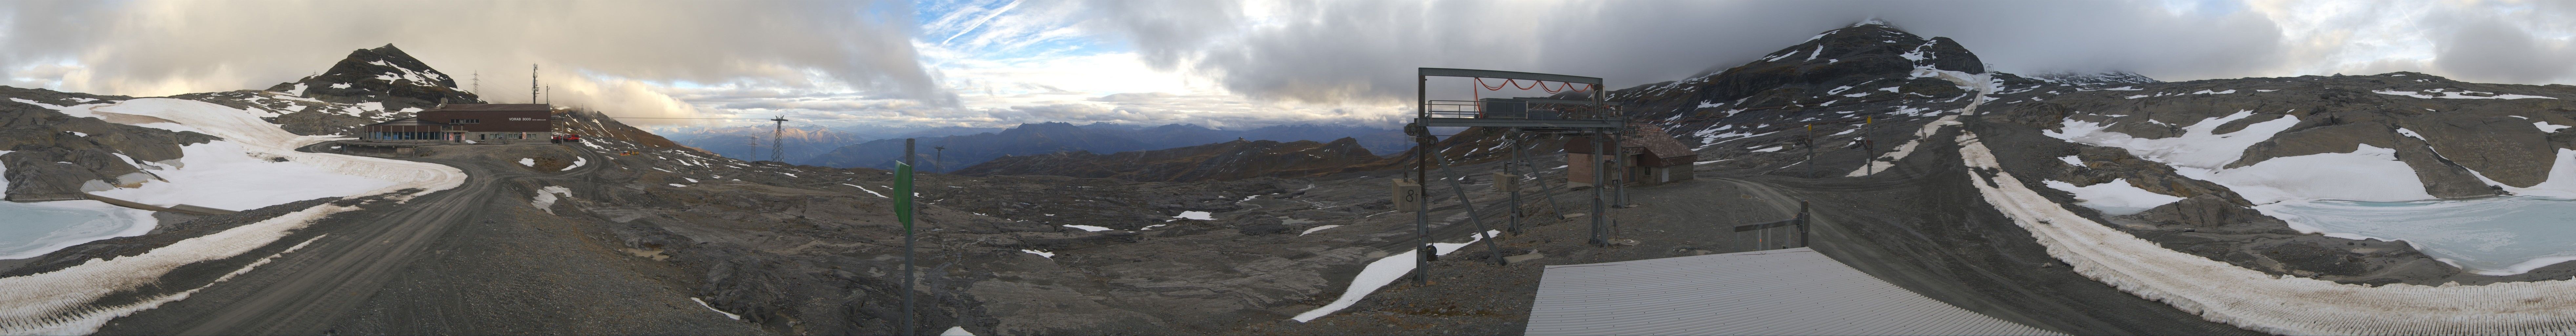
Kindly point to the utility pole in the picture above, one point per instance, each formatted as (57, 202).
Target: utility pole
(1810, 142)
(532, 83)
(778, 149)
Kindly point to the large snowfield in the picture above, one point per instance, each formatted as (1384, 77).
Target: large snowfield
(223, 175)
(58, 302)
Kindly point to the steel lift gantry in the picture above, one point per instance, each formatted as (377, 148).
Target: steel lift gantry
(1520, 117)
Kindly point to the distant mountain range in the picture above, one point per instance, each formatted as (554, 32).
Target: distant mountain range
(967, 146)
(1231, 160)
(752, 143)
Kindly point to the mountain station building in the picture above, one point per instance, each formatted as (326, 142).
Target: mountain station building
(507, 123)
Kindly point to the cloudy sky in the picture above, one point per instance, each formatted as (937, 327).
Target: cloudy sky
(1219, 64)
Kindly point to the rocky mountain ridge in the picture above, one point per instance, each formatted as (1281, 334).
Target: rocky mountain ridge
(1232, 160)
(1047, 138)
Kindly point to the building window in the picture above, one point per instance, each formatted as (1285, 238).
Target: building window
(465, 121)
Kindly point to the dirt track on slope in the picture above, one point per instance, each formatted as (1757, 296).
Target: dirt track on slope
(452, 262)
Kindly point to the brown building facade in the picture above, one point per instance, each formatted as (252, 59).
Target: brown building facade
(409, 129)
(494, 121)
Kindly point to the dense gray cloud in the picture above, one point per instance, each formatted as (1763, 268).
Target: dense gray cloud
(1365, 51)
(618, 54)
(2482, 46)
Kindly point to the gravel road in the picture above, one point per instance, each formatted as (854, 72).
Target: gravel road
(458, 261)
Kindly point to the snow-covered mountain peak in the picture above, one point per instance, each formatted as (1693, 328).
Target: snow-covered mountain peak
(382, 74)
(1868, 63)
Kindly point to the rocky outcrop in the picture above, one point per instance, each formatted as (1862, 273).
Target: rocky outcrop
(2213, 214)
(2507, 149)
(54, 156)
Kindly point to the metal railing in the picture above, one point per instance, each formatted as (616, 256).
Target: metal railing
(1763, 237)
(1506, 109)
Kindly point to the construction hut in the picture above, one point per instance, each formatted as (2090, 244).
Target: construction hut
(1653, 158)
(412, 129)
(495, 122)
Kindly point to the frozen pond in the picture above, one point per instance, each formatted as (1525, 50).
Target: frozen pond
(2492, 236)
(28, 230)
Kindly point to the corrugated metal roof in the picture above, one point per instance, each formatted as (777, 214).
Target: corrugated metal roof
(1776, 292)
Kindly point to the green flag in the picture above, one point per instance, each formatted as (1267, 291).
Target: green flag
(903, 195)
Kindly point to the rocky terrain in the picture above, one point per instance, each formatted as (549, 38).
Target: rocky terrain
(54, 156)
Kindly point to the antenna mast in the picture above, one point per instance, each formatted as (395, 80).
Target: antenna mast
(777, 149)
(478, 84)
(532, 83)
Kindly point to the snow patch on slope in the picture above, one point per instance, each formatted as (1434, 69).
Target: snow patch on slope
(2202, 154)
(2199, 147)
(1380, 273)
(545, 199)
(2114, 198)
(2548, 127)
(2455, 95)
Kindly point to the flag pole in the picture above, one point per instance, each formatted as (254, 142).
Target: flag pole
(903, 213)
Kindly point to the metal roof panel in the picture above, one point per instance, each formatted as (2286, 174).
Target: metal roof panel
(1776, 292)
